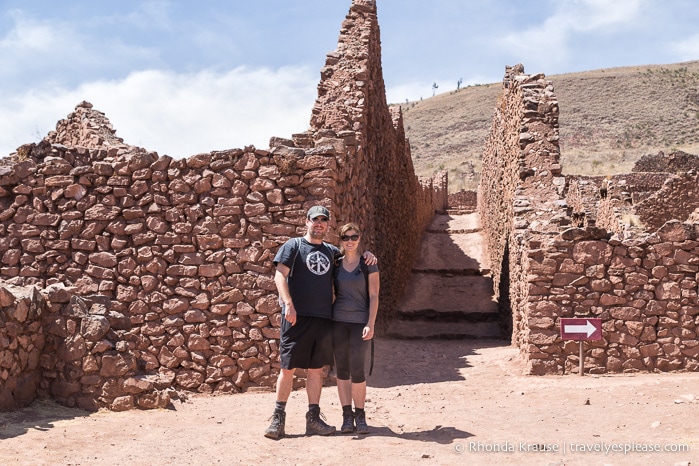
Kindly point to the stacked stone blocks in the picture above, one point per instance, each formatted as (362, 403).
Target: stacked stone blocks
(563, 250)
(156, 273)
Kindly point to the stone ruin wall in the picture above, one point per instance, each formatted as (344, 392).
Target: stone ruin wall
(465, 199)
(569, 256)
(22, 339)
(155, 275)
(677, 199)
(585, 194)
(352, 97)
(439, 185)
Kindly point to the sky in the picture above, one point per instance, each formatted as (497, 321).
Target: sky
(181, 77)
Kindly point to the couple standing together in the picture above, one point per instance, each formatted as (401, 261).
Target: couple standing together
(329, 300)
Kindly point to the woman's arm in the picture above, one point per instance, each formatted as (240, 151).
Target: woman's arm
(368, 331)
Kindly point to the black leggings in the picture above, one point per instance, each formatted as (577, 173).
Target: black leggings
(350, 351)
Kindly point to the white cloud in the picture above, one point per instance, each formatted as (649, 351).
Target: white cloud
(591, 15)
(687, 49)
(176, 114)
(550, 42)
(31, 39)
(28, 117)
(411, 91)
(35, 52)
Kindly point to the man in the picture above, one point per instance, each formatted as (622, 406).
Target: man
(304, 281)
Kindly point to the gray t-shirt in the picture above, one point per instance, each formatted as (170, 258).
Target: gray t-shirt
(352, 294)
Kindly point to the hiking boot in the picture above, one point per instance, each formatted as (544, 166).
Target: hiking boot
(347, 422)
(315, 423)
(276, 428)
(360, 418)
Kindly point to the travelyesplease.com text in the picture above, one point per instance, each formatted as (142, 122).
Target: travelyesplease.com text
(572, 447)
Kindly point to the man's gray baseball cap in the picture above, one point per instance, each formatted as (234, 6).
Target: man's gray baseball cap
(317, 211)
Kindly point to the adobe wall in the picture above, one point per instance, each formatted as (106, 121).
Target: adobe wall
(158, 272)
(566, 250)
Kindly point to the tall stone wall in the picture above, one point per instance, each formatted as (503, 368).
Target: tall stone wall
(583, 247)
(158, 272)
(352, 100)
(521, 188)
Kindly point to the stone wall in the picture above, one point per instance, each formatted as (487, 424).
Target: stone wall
(464, 199)
(676, 161)
(521, 188)
(608, 201)
(586, 247)
(439, 185)
(352, 100)
(676, 199)
(21, 345)
(158, 272)
(644, 289)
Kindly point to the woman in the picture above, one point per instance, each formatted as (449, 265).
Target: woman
(354, 315)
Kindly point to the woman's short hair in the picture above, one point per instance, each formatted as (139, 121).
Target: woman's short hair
(347, 227)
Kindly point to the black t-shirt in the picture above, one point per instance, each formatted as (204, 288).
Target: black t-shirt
(311, 268)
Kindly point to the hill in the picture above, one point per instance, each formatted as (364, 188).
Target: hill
(609, 118)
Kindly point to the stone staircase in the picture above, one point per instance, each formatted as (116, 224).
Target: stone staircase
(450, 292)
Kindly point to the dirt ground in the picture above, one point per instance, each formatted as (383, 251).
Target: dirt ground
(430, 402)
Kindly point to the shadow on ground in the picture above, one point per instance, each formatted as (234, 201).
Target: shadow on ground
(40, 415)
(439, 434)
(407, 362)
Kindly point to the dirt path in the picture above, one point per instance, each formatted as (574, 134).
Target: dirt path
(430, 402)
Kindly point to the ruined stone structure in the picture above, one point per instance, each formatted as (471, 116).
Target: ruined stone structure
(619, 248)
(129, 277)
(677, 162)
(145, 276)
(464, 200)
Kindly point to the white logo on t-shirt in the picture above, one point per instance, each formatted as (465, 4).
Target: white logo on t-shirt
(318, 263)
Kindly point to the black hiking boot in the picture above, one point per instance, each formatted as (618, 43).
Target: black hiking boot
(315, 423)
(276, 428)
(360, 418)
(347, 420)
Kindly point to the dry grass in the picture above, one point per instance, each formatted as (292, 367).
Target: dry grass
(609, 119)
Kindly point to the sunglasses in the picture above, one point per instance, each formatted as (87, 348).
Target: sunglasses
(349, 237)
(319, 219)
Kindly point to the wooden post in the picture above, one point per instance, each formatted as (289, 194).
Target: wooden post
(582, 360)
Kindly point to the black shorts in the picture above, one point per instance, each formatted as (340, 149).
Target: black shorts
(306, 345)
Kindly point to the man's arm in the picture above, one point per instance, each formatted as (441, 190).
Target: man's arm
(280, 279)
(370, 258)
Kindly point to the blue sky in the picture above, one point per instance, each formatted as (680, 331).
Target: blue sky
(183, 77)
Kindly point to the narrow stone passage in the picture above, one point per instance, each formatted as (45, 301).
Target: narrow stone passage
(450, 292)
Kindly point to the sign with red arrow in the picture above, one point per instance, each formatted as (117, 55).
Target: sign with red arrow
(581, 329)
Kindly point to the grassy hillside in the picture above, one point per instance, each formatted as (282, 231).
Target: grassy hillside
(608, 119)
